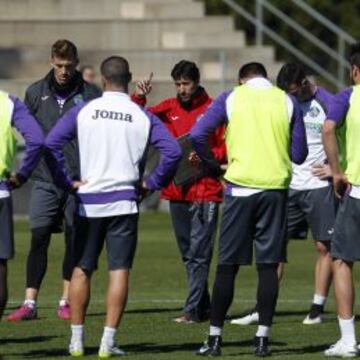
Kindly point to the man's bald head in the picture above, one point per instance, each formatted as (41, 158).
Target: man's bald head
(115, 72)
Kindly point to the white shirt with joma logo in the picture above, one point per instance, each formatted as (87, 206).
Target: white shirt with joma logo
(113, 166)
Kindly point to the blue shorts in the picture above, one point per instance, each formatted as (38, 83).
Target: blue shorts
(259, 221)
(119, 232)
(6, 229)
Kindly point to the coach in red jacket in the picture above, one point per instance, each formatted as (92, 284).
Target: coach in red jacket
(193, 207)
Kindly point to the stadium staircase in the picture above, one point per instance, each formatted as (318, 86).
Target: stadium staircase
(152, 34)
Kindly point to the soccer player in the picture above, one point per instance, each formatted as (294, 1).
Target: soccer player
(13, 114)
(113, 134)
(88, 73)
(343, 117)
(194, 206)
(311, 201)
(265, 132)
(60, 90)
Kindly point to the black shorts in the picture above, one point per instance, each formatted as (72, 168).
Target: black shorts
(51, 206)
(120, 234)
(6, 229)
(314, 209)
(345, 244)
(258, 220)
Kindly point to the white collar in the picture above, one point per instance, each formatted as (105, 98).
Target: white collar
(259, 82)
(115, 93)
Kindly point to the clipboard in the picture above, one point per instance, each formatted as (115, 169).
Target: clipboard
(187, 172)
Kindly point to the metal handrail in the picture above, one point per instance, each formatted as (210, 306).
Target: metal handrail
(343, 37)
(281, 41)
(326, 22)
(307, 34)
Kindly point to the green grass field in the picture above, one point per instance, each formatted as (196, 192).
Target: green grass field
(157, 291)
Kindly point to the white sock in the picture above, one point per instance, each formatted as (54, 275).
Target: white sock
(319, 299)
(63, 302)
(263, 331)
(215, 331)
(347, 330)
(77, 333)
(31, 303)
(108, 336)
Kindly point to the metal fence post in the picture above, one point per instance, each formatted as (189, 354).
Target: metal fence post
(341, 65)
(222, 59)
(259, 22)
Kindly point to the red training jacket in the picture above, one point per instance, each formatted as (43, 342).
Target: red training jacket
(179, 122)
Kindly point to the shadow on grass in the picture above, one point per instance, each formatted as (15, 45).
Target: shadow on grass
(153, 310)
(31, 339)
(44, 354)
(277, 314)
(95, 314)
(286, 352)
(153, 348)
(13, 307)
(291, 313)
(302, 350)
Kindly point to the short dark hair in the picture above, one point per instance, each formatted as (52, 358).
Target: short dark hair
(186, 69)
(354, 57)
(115, 70)
(290, 73)
(252, 69)
(64, 49)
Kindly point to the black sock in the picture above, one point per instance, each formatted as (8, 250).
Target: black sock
(267, 293)
(315, 310)
(223, 293)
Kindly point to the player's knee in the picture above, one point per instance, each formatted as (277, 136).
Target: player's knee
(41, 232)
(3, 263)
(323, 248)
(342, 265)
(81, 272)
(40, 238)
(267, 267)
(223, 269)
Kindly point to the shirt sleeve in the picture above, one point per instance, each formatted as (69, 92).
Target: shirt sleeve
(170, 154)
(339, 106)
(139, 100)
(324, 98)
(30, 130)
(218, 146)
(214, 117)
(64, 131)
(299, 148)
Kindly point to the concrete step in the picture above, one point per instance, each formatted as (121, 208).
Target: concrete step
(91, 9)
(212, 62)
(141, 10)
(161, 89)
(105, 34)
(185, 40)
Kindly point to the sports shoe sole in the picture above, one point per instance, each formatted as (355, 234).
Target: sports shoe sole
(314, 321)
(246, 320)
(77, 353)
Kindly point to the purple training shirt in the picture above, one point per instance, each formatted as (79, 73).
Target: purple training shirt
(66, 129)
(340, 106)
(30, 130)
(324, 98)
